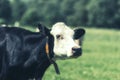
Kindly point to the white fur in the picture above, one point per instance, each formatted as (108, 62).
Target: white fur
(63, 47)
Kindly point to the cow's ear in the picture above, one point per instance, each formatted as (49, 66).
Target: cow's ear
(43, 29)
(78, 33)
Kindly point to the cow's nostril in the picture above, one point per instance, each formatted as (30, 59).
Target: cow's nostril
(76, 51)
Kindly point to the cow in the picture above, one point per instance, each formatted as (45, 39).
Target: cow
(26, 55)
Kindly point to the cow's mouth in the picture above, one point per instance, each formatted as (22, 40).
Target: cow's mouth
(60, 57)
(76, 55)
(63, 57)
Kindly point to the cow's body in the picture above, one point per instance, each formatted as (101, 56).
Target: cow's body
(22, 54)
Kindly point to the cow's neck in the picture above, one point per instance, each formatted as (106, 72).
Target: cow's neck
(50, 53)
(47, 60)
(47, 56)
(42, 68)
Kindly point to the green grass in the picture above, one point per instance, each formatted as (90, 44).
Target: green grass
(100, 59)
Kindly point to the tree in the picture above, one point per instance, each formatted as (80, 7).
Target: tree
(79, 16)
(18, 8)
(102, 12)
(99, 13)
(5, 11)
(31, 17)
(117, 15)
(67, 9)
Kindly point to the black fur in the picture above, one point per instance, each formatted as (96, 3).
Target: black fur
(22, 53)
(79, 33)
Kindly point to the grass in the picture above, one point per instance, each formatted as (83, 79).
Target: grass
(100, 59)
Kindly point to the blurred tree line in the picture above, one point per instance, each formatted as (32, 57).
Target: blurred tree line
(99, 13)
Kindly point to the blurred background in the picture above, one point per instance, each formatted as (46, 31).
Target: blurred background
(100, 19)
(97, 13)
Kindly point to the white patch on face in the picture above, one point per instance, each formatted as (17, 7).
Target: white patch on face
(63, 40)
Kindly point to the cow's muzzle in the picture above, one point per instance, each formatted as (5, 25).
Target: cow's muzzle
(76, 52)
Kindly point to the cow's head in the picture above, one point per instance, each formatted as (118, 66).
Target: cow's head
(64, 40)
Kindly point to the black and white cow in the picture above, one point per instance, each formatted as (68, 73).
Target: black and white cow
(26, 55)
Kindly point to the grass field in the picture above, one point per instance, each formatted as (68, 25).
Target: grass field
(100, 59)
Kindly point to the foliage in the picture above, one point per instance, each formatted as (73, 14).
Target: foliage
(5, 11)
(18, 8)
(30, 17)
(100, 13)
(2, 21)
(79, 17)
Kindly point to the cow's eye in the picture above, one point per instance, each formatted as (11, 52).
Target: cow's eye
(60, 37)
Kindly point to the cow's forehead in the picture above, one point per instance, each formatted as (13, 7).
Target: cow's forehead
(61, 28)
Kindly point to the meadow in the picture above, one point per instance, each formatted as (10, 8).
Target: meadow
(100, 59)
